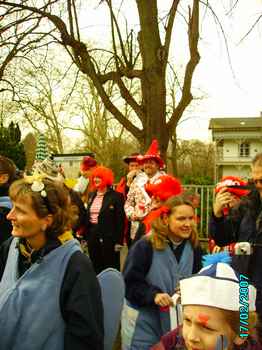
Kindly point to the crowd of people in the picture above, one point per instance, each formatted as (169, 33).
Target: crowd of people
(50, 297)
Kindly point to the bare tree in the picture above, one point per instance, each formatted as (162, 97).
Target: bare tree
(97, 125)
(42, 95)
(147, 65)
(195, 159)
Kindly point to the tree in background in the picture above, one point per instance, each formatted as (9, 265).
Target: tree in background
(29, 143)
(43, 94)
(11, 145)
(102, 134)
(141, 57)
(196, 162)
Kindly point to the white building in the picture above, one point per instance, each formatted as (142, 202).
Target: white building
(237, 141)
(70, 163)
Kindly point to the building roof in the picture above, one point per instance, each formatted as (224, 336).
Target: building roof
(235, 123)
(64, 155)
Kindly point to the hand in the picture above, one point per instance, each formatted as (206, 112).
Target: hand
(130, 177)
(134, 217)
(118, 247)
(216, 249)
(163, 299)
(222, 200)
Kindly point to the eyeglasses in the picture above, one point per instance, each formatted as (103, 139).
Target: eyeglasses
(258, 181)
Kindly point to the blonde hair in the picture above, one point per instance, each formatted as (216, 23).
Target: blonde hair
(160, 231)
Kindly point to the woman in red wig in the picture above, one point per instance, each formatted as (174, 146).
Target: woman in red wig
(106, 217)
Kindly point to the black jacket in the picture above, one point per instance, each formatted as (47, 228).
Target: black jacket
(243, 224)
(111, 219)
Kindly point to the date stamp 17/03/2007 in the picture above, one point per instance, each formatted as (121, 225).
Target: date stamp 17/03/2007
(244, 306)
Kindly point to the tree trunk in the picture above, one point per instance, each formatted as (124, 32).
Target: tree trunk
(153, 83)
(174, 154)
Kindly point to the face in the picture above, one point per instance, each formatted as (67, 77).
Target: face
(156, 202)
(196, 201)
(97, 182)
(181, 222)
(26, 223)
(4, 178)
(203, 326)
(151, 167)
(133, 166)
(256, 173)
(87, 173)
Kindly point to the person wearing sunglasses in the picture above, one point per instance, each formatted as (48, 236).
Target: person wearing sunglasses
(242, 224)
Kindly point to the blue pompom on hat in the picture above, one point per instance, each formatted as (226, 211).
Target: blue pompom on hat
(216, 285)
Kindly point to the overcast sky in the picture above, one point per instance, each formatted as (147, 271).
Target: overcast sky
(228, 90)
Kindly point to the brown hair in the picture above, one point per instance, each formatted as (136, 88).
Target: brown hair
(259, 328)
(56, 202)
(160, 231)
(233, 320)
(7, 166)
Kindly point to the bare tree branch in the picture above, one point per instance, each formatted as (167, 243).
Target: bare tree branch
(169, 28)
(193, 37)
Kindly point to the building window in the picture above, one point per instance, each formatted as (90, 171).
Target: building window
(220, 149)
(244, 149)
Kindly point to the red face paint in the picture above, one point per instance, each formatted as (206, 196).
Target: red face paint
(203, 319)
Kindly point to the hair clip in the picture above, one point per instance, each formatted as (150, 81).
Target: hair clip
(37, 185)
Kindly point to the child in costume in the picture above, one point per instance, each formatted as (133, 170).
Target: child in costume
(211, 311)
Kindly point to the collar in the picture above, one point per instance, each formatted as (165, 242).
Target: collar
(32, 255)
(156, 176)
(173, 245)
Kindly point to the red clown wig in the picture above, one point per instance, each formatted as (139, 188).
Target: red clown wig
(105, 174)
(165, 187)
(233, 181)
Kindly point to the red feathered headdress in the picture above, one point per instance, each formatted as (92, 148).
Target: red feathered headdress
(165, 187)
(233, 181)
(153, 153)
(105, 174)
